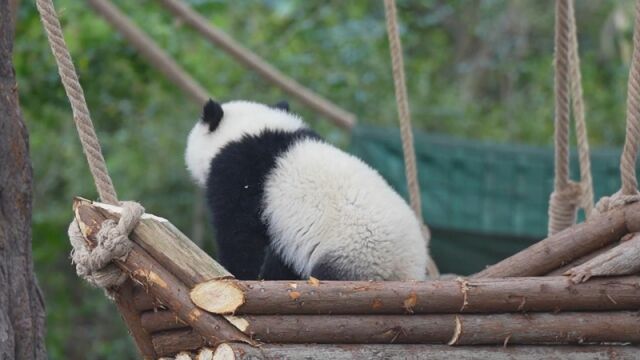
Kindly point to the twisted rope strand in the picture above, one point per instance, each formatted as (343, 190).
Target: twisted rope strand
(81, 117)
(630, 150)
(564, 199)
(577, 100)
(404, 117)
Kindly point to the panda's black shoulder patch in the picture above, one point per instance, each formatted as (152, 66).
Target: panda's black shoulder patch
(212, 114)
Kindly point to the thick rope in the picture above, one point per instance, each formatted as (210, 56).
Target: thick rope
(628, 193)
(577, 101)
(81, 116)
(568, 195)
(95, 264)
(402, 101)
(630, 150)
(404, 117)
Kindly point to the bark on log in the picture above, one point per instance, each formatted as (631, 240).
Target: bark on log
(568, 245)
(160, 282)
(624, 259)
(170, 247)
(432, 352)
(396, 297)
(172, 342)
(22, 316)
(131, 317)
(156, 321)
(490, 329)
(561, 270)
(143, 301)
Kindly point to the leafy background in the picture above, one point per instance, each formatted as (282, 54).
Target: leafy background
(476, 69)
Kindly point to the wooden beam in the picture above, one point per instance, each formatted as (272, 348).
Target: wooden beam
(244, 56)
(564, 247)
(230, 351)
(474, 329)
(397, 297)
(170, 247)
(150, 51)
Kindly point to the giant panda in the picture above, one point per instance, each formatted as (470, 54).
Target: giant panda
(287, 205)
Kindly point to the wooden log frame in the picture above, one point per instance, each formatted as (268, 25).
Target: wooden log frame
(452, 329)
(550, 294)
(230, 351)
(177, 324)
(153, 273)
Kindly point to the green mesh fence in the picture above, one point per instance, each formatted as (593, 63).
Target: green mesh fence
(482, 201)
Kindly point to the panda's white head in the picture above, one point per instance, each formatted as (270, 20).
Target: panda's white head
(222, 124)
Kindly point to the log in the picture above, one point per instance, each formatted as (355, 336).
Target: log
(230, 351)
(156, 321)
(397, 297)
(170, 247)
(205, 354)
(561, 270)
(172, 342)
(624, 259)
(143, 301)
(161, 283)
(489, 329)
(568, 245)
(131, 316)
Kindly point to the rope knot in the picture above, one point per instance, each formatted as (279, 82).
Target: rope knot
(95, 264)
(563, 206)
(618, 199)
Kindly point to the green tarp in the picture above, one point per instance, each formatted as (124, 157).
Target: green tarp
(482, 201)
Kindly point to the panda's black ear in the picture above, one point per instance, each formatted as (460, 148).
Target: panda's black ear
(212, 114)
(282, 105)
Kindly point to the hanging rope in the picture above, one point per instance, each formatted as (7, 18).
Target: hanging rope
(577, 101)
(629, 189)
(630, 150)
(568, 195)
(81, 117)
(628, 192)
(404, 117)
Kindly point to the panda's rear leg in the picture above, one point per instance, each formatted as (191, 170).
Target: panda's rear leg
(329, 268)
(273, 268)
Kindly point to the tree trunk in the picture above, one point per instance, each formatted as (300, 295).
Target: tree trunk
(21, 303)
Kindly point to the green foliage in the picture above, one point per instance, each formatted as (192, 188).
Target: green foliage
(480, 69)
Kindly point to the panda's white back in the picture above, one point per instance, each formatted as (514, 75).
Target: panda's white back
(322, 203)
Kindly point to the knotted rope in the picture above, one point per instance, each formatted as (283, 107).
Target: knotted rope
(404, 118)
(94, 265)
(112, 243)
(81, 117)
(568, 195)
(629, 190)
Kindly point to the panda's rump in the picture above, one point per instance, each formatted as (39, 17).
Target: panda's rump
(328, 213)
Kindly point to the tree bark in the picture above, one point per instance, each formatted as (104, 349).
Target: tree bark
(230, 351)
(397, 297)
(22, 314)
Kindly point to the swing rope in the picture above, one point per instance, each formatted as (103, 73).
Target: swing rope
(404, 118)
(81, 116)
(568, 195)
